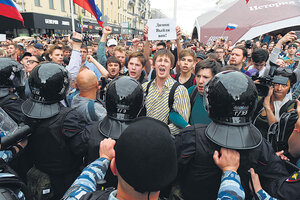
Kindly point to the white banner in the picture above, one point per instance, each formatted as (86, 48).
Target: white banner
(162, 29)
(2, 37)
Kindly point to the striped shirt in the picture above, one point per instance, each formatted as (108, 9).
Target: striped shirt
(157, 104)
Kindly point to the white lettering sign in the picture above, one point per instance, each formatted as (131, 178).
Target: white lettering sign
(65, 23)
(162, 29)
(2, 37)
(272, 5)
(51, 21)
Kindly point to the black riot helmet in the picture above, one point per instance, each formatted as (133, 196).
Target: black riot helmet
(12, 75)
(49, 84)
(230, 99)
(124, 98)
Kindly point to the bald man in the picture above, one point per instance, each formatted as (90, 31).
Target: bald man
(86, 102)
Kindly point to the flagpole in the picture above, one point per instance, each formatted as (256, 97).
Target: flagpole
(72, 15)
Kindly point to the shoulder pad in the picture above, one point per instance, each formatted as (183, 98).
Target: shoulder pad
(295, 177)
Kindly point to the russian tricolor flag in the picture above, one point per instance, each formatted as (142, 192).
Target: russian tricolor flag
(91, 7)
(8, 9)
(231, 27)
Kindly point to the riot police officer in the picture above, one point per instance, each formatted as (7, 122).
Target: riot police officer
(11, 76)
(57, 140)
(230, 99)
(124, 100)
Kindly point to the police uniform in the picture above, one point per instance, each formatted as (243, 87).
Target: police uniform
(57, 142)
(11, 76)
(201, 177)
(230, 104)
(10, 102)
(124, 99)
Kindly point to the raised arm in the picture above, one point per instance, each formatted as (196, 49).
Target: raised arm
(75, 60)
(101, 46)
(102, 69)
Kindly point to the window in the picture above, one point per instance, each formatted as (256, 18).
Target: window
(37, 3)
(62, 5)
(74, 8)
(51, 6)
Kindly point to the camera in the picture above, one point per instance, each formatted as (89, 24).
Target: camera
(267, 81)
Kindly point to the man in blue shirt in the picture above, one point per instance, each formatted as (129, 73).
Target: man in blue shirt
(84, 62)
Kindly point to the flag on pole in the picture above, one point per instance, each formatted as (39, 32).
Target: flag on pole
(9, 9)
(231, 27)
(247, 1)
(91, 7)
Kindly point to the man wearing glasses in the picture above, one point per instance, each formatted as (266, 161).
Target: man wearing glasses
(32, 62)
(220, 54)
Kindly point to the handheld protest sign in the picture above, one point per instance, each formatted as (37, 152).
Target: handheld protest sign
(162, 29)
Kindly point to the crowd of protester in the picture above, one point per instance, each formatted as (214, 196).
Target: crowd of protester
(172, 77)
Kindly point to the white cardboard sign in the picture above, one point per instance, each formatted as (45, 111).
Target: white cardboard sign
(2, 37)
(162, 29)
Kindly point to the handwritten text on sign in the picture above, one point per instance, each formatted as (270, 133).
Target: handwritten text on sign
(162, 29)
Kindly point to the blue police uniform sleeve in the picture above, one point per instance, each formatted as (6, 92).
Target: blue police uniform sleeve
(87, 181)
(231, 187)
(263, 195)
(6, 155)
(274, 176)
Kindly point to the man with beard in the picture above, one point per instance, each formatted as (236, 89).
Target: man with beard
(238, 57)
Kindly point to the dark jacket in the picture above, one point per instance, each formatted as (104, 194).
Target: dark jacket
(200, 177)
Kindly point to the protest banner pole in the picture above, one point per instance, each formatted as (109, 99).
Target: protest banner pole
(72, 15)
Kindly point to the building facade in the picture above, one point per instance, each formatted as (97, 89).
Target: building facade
(54, 17)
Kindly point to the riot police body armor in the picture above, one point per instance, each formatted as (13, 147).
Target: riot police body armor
(11, 76)
(56, 143)
(230, 104)
(124, 99)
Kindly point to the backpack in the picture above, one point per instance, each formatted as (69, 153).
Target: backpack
(279, 132)
(91, 109)
(170, 100)
(193, 96)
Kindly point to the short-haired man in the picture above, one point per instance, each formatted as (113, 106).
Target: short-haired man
(136, 66)
(111, 44)
(187, 60)
(84, 61)
(259, 60)
(205, 70)
(12, 51)
(120, 53)
(56, 54)
(238, 57)
(113, 67)
(219, 51)
(289, 58)
(86, 102)
(158, 91)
